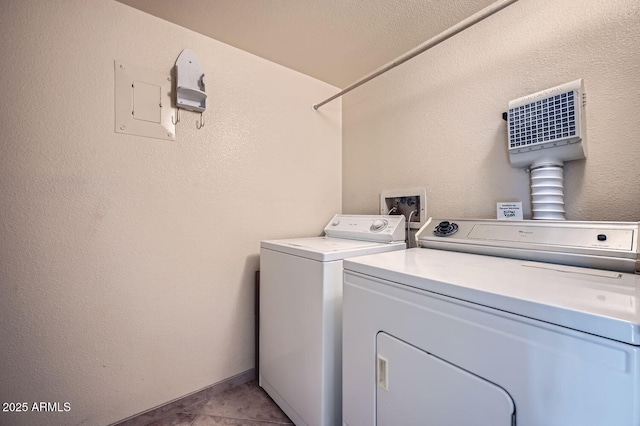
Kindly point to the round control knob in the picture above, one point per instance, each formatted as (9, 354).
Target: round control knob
(378, 225)
(335, 223)
(445, 228)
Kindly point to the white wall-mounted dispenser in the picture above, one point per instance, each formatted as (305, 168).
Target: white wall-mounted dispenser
(546, 129)
(190, 91)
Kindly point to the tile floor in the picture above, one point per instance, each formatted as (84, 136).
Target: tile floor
(243, 405)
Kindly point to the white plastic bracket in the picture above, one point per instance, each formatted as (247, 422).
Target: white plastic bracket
(190, 91)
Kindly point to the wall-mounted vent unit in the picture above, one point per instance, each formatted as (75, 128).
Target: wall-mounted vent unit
(545, 130)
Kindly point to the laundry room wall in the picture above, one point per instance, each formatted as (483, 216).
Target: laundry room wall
(127, 263)
(435, 121)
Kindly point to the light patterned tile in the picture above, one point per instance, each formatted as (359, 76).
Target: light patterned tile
(166, 410)
(244, 402)
(176, 419)
(195, 408)
(204, 420)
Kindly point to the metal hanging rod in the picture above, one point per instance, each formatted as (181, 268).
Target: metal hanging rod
(459, 27)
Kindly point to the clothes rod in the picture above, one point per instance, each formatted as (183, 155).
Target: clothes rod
(459, 27)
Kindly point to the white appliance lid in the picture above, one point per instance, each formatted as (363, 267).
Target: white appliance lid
(328, 248)
(604, 303)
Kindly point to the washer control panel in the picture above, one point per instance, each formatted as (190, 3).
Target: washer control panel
(367, 227)
(604, 245)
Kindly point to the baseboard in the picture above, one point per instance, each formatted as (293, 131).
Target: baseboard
(181, 403)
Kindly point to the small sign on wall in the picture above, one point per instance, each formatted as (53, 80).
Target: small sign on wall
(509, 211)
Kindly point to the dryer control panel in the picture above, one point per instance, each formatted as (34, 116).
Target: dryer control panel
(603, 245)
(367, 227)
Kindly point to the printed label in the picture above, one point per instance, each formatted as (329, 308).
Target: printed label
(509, 211)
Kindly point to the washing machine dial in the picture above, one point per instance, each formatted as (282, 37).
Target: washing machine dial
(335, 223)
(445, 229)
(378, 225)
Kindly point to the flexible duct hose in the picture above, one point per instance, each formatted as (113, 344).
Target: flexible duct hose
(547, 192)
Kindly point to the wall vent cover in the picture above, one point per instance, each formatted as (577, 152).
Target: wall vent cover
(552, 118)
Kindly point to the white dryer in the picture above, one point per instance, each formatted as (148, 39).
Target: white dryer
(301, 313)
(467, 330)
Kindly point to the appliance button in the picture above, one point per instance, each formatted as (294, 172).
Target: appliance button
(602, 237)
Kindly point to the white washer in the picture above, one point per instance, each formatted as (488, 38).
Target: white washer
(452, 338)
(301, 313)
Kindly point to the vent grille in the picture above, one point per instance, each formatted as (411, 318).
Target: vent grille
(546, 120)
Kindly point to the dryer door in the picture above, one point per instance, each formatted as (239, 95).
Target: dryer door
(417, 388)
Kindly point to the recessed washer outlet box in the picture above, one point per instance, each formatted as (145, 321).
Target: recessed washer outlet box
(412, 203)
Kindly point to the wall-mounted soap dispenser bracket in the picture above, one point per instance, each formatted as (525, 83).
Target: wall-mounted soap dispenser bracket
(190, 89)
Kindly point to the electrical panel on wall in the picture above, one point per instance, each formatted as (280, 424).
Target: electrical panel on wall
(143, 102)
(411, 203)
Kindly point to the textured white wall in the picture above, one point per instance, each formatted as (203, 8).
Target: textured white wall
(435, 122)
(127, 263)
